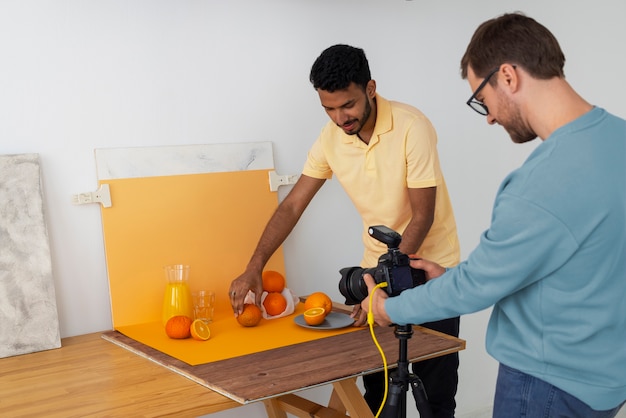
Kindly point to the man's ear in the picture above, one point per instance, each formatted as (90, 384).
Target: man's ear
(370, 89)
(510, 76)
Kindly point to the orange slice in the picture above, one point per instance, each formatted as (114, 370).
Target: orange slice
(199, 330)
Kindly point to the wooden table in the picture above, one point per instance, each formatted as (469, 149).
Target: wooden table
(89, 376)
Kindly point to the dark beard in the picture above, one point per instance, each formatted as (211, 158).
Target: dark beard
(520, 137)
(516, 128)
(362, 120)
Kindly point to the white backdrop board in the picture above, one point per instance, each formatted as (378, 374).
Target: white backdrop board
(28, 313)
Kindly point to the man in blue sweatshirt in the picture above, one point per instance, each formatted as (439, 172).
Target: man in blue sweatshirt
(553, 261)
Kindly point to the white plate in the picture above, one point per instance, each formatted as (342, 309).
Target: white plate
(333, 320)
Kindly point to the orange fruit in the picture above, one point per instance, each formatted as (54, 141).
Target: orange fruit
(319, 300)
(178, 327)
(250, 316)
(273, 281)
(200, 330)
(274, 303)
(314, 316)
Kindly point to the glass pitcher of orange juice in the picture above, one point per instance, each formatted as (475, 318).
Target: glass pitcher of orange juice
(177, 297)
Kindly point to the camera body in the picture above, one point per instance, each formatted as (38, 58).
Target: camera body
(393, 268)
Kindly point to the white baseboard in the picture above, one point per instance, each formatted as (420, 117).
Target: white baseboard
(477, 413)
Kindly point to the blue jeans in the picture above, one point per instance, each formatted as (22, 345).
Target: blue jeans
(521, 395)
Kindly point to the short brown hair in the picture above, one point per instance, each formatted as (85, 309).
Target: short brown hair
(516, 39)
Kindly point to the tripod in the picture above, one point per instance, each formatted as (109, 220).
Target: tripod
(400, 380)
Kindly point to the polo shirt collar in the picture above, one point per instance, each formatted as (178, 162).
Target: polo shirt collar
(382, 126)
(383, 119)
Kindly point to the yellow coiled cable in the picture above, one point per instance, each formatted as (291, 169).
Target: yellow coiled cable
(370, 321)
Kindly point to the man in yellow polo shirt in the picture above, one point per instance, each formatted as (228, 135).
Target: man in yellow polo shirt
(384, 154)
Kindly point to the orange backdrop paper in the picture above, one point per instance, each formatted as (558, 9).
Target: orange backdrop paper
(228, 338)
(210, 221)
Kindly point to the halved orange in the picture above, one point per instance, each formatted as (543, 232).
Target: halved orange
(200, 330)
(319, 300)
(314, 316)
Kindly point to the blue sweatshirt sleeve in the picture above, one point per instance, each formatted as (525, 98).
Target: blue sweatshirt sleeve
(523, 244)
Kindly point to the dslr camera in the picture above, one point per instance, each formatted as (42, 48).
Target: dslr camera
(393, 268)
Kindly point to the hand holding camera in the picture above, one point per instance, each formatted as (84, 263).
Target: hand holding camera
(377, 300)
(393, 269)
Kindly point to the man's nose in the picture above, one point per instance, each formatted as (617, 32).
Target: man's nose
(340, 117)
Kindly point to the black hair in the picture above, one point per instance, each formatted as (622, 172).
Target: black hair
(338, 66)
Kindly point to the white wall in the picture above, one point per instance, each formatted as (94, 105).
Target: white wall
(83, 74)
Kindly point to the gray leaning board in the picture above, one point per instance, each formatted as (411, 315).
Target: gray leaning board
(29, 320)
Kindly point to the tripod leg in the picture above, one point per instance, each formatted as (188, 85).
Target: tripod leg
(402, 379)
(394, 406)
(421, 400)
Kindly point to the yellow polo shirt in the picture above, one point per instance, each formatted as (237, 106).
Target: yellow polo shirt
(402, 154)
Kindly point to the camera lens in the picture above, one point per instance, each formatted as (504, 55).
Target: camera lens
(352, 286)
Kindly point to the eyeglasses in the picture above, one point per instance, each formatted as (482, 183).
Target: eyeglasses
(476, 104)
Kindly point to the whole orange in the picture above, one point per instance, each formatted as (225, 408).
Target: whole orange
(319, 300)
(274, 303)
(273, 281)
(178, 327)
(250, 316)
